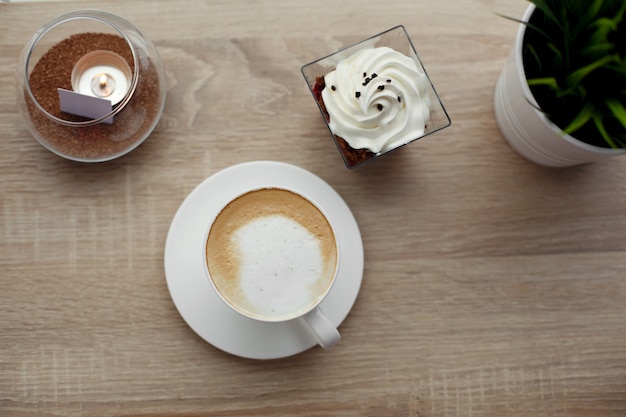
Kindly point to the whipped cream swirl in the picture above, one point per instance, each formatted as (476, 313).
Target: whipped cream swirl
(377, 99)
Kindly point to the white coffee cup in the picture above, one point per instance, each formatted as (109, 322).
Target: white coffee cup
(271, 255)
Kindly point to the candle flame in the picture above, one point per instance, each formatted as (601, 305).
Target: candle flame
(103, 81)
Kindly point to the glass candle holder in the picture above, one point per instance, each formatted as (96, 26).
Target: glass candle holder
(377, 100)
(90, 86)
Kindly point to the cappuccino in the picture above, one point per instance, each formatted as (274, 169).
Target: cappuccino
(271, 254)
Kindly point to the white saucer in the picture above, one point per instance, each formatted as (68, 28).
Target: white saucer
(193, 294)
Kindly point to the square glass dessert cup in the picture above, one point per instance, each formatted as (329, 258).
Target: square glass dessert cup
(374, 105)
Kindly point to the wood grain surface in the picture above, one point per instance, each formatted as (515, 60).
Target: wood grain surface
(492, 287)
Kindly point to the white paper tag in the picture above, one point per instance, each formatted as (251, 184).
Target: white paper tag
(85, 106)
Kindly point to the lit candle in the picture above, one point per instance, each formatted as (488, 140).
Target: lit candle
(103, 85)
(102, 74)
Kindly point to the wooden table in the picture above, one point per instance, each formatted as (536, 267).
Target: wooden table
(492, 287)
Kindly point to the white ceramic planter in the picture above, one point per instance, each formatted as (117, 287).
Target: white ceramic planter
(529, 131)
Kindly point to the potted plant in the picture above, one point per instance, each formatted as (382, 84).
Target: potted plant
(561, 97)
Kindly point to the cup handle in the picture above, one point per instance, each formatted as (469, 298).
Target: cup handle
(326, 333)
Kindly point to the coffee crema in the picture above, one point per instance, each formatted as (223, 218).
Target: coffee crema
(271, 254)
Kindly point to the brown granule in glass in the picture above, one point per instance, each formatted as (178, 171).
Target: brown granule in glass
(54, 70)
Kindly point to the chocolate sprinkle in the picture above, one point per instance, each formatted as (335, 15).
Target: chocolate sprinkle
(357, 94)
(388, 81)
(381, 87)
(399, 99)
(332, 87)
(380, 107)
(374, 75)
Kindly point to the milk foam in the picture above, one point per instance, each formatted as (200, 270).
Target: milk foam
(280, 265)
(271, 254)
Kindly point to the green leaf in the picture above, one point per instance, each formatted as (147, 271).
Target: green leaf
(604, 26)
(621, 141)
(548, 11)
(557, 52)
(577, 76)
(617, 109)
(528, 25)
(594, 8)
(535, 55)
(598, 48)
(583, 18)
(547, 81)
(597, 119)
(581, 119)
